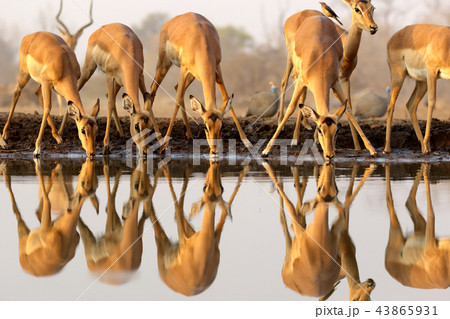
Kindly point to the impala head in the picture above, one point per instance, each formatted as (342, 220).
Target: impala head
(140, 182)
(212, 191)
(326, 185)
(326, 128)
(213, 122)
(86, 125)
(87, 183)
(141, 127)
(362, 15)
(361, 291)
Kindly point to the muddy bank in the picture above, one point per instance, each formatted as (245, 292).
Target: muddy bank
(25, 127)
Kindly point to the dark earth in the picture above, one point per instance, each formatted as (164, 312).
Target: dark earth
(25, 127)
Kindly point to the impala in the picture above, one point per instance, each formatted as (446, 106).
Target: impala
(118, 52)
(192, 43)
(420, 51)
(362, 19)
(190, 265)
(419, 260)
(117, 253)
(317, 55)
(317, 257)
(44, 251)
(48, 60)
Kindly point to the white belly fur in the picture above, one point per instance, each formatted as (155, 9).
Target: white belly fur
(35, 69)
(173, 54)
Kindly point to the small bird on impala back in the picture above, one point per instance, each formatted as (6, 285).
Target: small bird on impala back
(329, 12)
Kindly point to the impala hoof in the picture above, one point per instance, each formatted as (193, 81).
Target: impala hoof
(105, 150)
(3, 144)
(247, 143)
(294, 142)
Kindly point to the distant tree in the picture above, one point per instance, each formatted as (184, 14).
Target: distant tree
(150, 26)
(234, 39)
(8, 59)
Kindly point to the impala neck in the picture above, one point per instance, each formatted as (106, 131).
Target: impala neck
(351, 42)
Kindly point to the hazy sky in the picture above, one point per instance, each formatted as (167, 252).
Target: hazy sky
(258, 17)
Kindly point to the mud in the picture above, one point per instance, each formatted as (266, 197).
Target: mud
(25, 127)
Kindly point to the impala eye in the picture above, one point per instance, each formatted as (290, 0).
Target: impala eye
(320, 131)
(357, 10)
(136, 186)
(83, 131)
(136, 127)
(145, 120)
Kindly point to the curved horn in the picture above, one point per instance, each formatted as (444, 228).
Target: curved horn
(59, 21)
(91, 20)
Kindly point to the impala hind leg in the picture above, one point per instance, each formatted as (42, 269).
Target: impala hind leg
(22, 80)
(299, 89)
(111, 88)
(162, 67)
(225, 97)
(431, 83)
(178, 102)
(337, 89)
(398, 75)
(114, 114)
(417, 95)
(189, 79)
(284, 82)
(300, 120)
(55, 134)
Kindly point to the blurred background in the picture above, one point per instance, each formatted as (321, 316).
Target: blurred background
(252, 40)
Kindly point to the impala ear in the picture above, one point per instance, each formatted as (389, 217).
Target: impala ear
(128, 104)
(74, 111)
(340, 111)
(228, 105)
(196, 105)
(309, 113)
(94, 201)
(96, 109)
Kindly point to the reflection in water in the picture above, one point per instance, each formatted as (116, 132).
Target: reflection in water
(190, 265)
(46, 250)
(420, 260)
(318, 257)
(117, 254)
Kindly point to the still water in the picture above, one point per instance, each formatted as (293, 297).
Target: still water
(103, 231)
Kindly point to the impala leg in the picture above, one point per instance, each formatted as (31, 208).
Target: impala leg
(22, 80)
(337, 89)
(397, 78)
(47, 102)
(49, 118)
(114, 111)
(413, 103)
(64, 112)
(179, 102)
(225, 97)
(284, 82)
(300, 119)
(411, 205)
(431, 82)
(299, 89)
(430, 236)
(111, 106)
(148, 107)
(346, 87)
(189, 79)
(396, 240)
(162, 67)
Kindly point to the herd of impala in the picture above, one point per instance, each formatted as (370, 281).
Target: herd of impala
(321, 55)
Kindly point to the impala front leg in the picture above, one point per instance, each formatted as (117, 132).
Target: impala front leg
(431, 82)
(299, 89)
(337, 89)
(225, 97)
(346, 86)
(55, 134)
